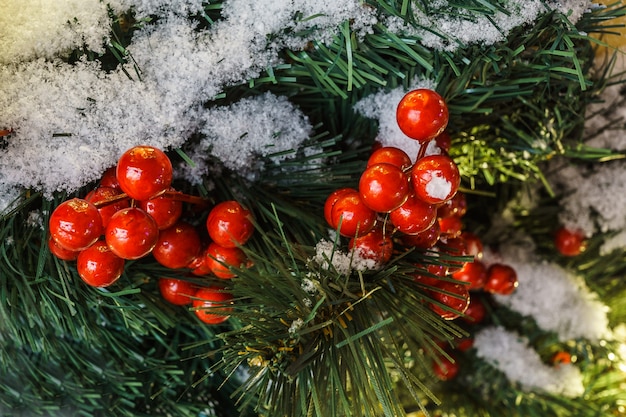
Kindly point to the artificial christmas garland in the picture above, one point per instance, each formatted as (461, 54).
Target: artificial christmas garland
(279, 109)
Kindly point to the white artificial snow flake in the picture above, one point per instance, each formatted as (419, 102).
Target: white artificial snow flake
(146, 8)
(31, 29)
(594, 198)
(327, 254)
(511, 354)
(613, 243)
(295, 326)
(238, 134)
(554, 297)
(438, 187)
(381, 106)
(439, 29)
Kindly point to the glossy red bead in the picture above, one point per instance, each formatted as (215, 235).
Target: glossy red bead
(75, 224)
(501, 279)
(98, 266)
(144, 172)
(351, 216)
(131, 233)
(177, 291)
(177, 245)
(230, 224)
(414, 216)
(383, 187)
(212, 305)
(435, 178)
(422, 114)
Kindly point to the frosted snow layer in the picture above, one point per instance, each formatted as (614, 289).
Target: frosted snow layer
(511, 354)
(554, 297)
(73, 121)
(472, 27)
(327, 255)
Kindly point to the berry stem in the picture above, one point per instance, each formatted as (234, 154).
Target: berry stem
(174, 195)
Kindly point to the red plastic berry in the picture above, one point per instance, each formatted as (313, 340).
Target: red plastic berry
(422, 114)
(383, 187)
(351, 216)
(177, 291)
(390, 155)
(375, 245)
(445, 369)
(424, 240)
(456, 206)
(331, 200)
(102, 194)
(212, 305)
(474, 273)
(561, 358)
(219, 260)
(444, 141)
(98, 266)
(501, 279)
(414, 216)
(569, 242)
(131, 233)
(453, 248)
(165, 210)
(473, 244)
(61, 253)
(465, 344)
(109, 179)
(451, 299)
(450, 226)
(177, 246)
(435, 178)
(230, 224)
(144, 172)
(75, 224)
(475, 312)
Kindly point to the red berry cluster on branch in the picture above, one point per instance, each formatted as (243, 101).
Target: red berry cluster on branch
(135, 212)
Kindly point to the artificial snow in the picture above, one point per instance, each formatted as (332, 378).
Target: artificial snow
(252, 127)
(593, 197)
(438, 187)
(437, 28)
(511, 354)
(557, 299)
(31, 29)
(329, 256)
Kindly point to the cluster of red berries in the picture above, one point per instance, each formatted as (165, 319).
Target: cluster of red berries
(134, 213)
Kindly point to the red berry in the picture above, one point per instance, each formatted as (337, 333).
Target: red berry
(75, 224)
(177, 246)
(177, 291)
(212, 305)
(109, 179)
(98, 266)
(450, 226)
(424, 240)
(61, 253)
(451, 299)
(331, 200)
(422, 114)
(435, 178)
(445, 369)
(165, 210)
(144, 172)
(474, 273)
(473, 244)
(102, 194)
(219, 260)
(230, 224)
(569, 242)
(390, 155)
(475, 312)
(444, 141)
(456, 206)
(414, 216)
(131, 233)
(453, 248)
(501, 279)
(351, 216)
(383, 187)
(375, 245)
